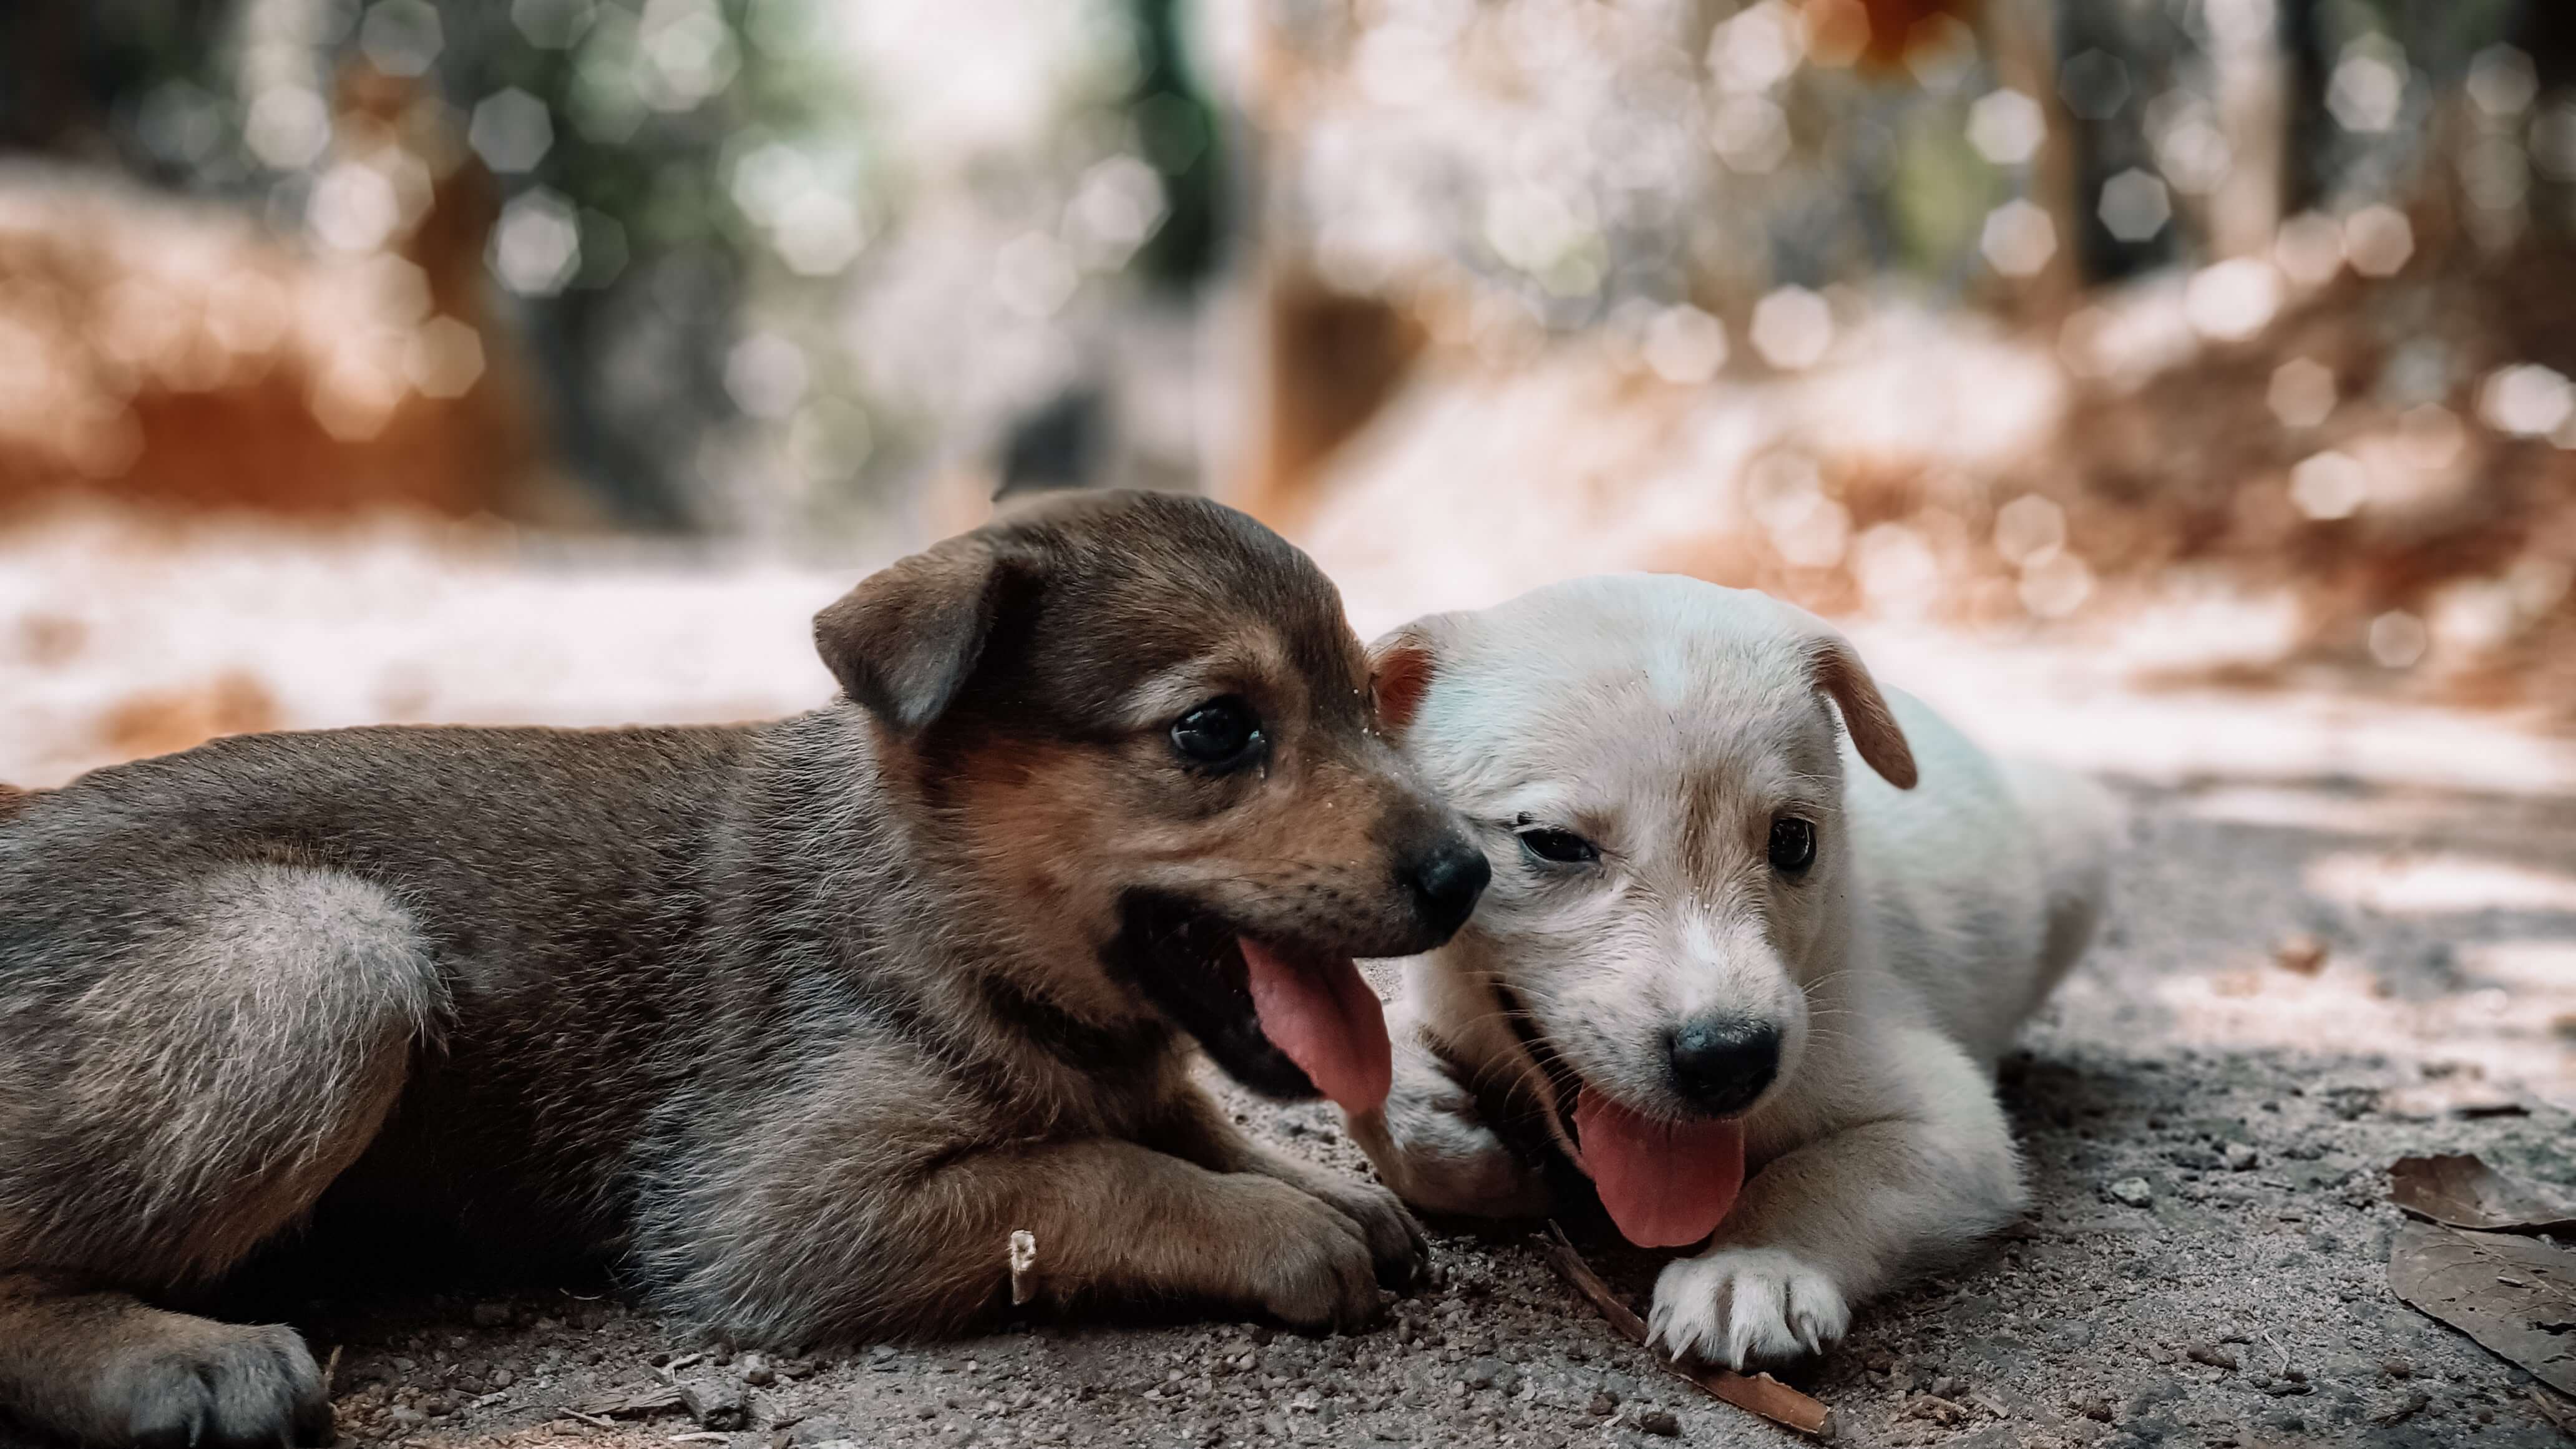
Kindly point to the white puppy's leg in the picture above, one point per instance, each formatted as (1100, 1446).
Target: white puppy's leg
(1432, 1146)
(1842, 1218)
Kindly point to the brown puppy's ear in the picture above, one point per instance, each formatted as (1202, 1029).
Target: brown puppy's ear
(1872, 726)
(907, 638)
(1401, 665)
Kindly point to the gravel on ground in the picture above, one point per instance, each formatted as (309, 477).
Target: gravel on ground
(2298, 984)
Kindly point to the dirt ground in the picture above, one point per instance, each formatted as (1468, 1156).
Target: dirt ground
(2243, 1302)
(2425, 861)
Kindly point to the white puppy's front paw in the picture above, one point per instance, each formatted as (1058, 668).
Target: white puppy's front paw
(1445, 1159)
(1740, 1306)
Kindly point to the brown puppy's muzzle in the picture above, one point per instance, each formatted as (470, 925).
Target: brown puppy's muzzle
(1261, 971)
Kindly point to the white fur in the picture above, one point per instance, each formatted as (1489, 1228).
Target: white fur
(1671, 721)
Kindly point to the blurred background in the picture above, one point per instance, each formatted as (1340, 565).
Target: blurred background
(550, 359)
(2179, 389)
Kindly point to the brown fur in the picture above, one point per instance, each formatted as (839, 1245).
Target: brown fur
(798, 1022)
(1866, 717)
(1403, 668)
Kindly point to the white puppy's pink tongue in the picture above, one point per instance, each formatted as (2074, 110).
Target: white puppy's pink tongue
(1666, 1184)
(1323, 1015)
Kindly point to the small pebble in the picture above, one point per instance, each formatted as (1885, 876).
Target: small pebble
(2132, 1192)
(1604, 1404)
(1661, 1422)
(2242, 1158)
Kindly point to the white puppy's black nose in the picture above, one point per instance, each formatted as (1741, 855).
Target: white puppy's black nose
(1446, 881)
(1722, 1063)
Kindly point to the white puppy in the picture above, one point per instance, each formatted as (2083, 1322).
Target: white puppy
(1724, 936)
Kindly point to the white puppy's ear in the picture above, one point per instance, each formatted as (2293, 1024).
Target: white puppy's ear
(1401, 667)
(1837, 670)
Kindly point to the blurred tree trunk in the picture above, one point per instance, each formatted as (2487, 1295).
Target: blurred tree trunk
(2247, 54)
(2021, 35)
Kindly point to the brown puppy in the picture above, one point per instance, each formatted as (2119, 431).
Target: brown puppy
(800, 1022)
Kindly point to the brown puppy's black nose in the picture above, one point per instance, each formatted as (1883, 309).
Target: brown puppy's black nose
(1722, 1063)
(1446, 881)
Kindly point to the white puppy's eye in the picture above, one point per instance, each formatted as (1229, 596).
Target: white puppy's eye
(1793, 845)
(1558, 847)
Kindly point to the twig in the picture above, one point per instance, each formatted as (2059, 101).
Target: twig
(1757, 1394)
(592, 1420)
(2556, 1408)
(703, 1437)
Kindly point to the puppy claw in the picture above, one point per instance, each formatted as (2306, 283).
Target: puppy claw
(1319, 1271)
(1397, 1246)
(251, 1387)
(1738, 1307)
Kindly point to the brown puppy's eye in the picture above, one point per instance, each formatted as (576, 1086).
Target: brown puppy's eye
(1221, 733)
(1561, 847)
(1793, 845)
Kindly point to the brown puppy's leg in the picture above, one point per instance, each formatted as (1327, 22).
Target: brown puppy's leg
(1199, 1131)
(854, 1252)
(168, 1101)
(104, 1369)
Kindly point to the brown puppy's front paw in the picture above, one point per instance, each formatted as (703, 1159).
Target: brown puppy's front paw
(225, 1387)
(1396, 1245)
(1315, 1269)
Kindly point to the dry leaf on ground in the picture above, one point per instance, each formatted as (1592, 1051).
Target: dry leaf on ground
(2517, 1296)
(2304, 953)
(2461, 1190)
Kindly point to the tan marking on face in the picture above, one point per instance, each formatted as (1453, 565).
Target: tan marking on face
(1303, 847)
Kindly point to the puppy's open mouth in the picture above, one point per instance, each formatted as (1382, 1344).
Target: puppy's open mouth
(1666, 1183)
(1284, 1019)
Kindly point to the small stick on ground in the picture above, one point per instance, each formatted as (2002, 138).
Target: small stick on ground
(592, 1420)
(1758, 1394)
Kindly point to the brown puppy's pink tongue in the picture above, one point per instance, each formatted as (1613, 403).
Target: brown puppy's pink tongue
(1323, 1015)
(1666, 1184)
